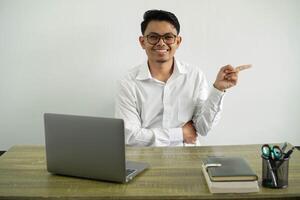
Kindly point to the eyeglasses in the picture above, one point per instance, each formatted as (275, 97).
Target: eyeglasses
(168, 38)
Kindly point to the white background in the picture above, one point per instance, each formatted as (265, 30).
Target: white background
(66, 57)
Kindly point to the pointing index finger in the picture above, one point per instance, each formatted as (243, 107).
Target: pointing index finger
(243, 67)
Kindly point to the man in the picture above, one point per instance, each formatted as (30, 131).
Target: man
(163, 101)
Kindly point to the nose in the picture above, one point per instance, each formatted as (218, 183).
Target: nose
(161, 42)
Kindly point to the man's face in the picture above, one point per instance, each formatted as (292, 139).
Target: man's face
(167, 41)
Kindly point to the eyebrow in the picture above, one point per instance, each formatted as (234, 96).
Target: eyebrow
(160, 34)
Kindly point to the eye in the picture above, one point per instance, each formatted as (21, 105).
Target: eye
(169, 37)
(153, 37)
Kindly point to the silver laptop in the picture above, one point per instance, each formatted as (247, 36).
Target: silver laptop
(88, 147)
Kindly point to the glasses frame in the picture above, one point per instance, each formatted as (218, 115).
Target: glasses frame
(161, 37)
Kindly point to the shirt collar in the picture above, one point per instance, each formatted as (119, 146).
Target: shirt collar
(144, 72)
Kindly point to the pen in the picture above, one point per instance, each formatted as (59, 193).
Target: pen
(288, 154)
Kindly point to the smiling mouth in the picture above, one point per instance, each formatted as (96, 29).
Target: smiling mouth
(161, 50)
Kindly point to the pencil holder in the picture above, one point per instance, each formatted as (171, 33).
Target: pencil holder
(275, 173)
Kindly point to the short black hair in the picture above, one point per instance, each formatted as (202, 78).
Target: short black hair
(159, 15)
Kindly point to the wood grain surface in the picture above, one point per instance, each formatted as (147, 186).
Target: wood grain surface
(175, 173)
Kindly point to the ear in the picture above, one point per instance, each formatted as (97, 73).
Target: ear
(142, 41)
(178, 41)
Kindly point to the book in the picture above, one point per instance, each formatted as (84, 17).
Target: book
(229, 175)
(229, 186)
(229, 169)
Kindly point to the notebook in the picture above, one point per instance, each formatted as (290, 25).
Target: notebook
(88, 147)
(229, 169)
(229, 186)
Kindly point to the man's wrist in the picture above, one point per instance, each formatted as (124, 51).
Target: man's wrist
(218, 87)
(176, 135)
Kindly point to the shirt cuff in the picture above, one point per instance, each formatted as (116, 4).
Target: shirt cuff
(216, 95)
(176, 135)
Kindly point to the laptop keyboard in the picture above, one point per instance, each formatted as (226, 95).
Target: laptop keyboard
(130, 171)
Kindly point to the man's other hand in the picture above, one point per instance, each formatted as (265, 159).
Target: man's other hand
(189, 133)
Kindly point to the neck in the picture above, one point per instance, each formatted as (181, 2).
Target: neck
(161, 70)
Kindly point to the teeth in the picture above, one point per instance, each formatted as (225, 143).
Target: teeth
(161, 50)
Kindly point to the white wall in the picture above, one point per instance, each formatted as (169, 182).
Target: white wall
(66, 56)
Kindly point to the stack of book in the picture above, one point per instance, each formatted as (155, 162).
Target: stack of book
(229, 175)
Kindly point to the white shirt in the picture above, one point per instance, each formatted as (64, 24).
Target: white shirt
(155, 111)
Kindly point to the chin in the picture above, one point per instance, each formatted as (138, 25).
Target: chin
(161, 61)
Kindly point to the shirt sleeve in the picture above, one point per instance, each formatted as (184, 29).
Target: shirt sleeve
(208, 108)
(135, 135)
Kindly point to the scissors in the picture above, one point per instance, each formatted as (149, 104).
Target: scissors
(269, 152)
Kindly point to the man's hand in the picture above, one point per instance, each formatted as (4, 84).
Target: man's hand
(189, 133)
(228, 76)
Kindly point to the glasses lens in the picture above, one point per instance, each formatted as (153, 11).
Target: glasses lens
(153, 39)
(167, 38)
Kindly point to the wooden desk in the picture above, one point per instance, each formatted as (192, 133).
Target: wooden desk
(175, 173)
